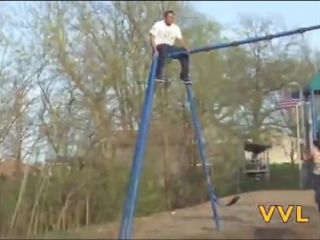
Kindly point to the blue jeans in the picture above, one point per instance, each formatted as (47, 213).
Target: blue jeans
(316, 185)
(164, 50)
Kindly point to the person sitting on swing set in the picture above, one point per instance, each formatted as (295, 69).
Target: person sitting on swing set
(314, 156)
(162, 37)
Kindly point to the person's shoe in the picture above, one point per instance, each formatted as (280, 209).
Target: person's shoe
(186, 81)
(160, 80)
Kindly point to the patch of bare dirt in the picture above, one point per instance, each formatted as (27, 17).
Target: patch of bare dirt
(241, 221)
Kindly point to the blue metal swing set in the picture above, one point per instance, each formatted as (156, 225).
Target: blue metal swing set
(129, 207)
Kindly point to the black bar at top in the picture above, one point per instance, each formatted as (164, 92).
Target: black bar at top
(250, 40)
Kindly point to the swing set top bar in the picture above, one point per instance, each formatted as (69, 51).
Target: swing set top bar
(250, 40)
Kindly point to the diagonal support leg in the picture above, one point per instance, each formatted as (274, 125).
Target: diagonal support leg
(130, 203)
(203, 154)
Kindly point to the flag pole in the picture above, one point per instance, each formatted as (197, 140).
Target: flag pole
(298, 145)
(302, 166)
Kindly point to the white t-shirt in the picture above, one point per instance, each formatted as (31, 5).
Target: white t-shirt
(165, 34)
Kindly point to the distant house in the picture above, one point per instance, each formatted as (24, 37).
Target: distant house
(14, 168)
(284, 150)
(63, 162)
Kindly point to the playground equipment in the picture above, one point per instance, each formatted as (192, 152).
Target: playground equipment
(311, 97)
(137, 162)
(257, 166)
(311, 124)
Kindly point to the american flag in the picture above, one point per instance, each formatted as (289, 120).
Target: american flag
(287, 102)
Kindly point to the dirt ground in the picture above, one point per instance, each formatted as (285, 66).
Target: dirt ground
(241, 221)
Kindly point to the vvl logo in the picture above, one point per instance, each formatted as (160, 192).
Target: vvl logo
(285, 214)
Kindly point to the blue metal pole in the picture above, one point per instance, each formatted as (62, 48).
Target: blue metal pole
(250, 40)
(130, 203)
(203, 154)
(313, 114)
